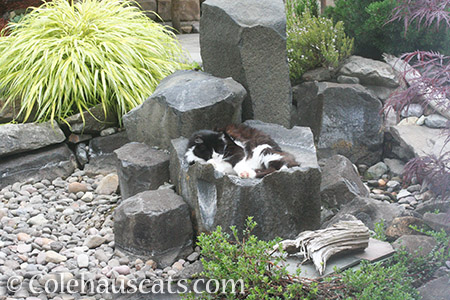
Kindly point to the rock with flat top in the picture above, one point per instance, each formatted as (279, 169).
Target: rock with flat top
(183, 103)
(283, 203)
(17, 138)
(155, 225)
(141, 168)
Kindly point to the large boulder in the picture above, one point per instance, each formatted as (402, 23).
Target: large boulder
(369, 71)
(17, 138)
(48, 163)
(141, 168)
(436, 289)
(183, 103)
(247, 41)
(344, 118)
(283, 203)
(155, 225)
(102, 159)
(369, 211)
(415, 141)
(341, 183)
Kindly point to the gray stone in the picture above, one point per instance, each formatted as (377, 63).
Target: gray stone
(37, 220)
(436, 121)
(102, 159)
(319, 74)
(183, 103)
(108, 184)
(415, 141)
(141, 168)
(418, 245)
(17, 138)
(283, 203)
(93, 241)
(190, 271)
(154, 224)
(437, 289)
(395, 166)
(347, 79)
(381, 92)
(81, 154)
(413, 110)
(376, 171)
(308, 107)
(340, 182)
(369, 211)
(94, 121)
(48, 163)
(369, 71)
(83, 260)
(53, 257)
(242, 40)
(402, 226)
(344, 118)
(438, 221)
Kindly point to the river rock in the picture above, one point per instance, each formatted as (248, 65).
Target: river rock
(141, 168)
(246, 40)
(283, 203)
(183, 103)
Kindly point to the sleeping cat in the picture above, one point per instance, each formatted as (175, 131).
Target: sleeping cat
(238, 149)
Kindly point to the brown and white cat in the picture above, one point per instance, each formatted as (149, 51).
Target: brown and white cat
(240, 150)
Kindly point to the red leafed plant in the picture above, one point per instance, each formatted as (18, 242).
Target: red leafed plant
(434, 84)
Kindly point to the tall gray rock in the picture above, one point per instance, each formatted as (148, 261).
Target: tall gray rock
(16, 138)
(283, 203)
(183, 103)
(345, 119)
(154, 224)
(247, 41)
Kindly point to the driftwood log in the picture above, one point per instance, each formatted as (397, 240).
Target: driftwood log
(435, 99)
(320, 245)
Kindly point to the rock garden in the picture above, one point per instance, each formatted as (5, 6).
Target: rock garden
(95, 188)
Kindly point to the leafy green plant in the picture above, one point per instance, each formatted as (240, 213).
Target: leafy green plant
(248, 259)
(379, 282)
(367, 21)
(379, 228)
(63, 58)
(314, 41)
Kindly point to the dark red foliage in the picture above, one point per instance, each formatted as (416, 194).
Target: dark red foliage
(426, 12)
(434, 82)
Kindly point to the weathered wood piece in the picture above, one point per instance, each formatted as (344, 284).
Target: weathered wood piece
(320, 245)
(437, 100)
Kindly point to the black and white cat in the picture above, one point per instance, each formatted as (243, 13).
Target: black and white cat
(240, 150)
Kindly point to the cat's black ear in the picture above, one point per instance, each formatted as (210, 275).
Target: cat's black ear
(198, 140)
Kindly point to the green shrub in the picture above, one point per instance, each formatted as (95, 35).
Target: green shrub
(313, 42)
(248, 259)
(366, 22)
(63, 58)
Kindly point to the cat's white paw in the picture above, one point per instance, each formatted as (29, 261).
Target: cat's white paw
(247, 174)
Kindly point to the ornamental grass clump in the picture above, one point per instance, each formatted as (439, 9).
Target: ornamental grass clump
(66, 57)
